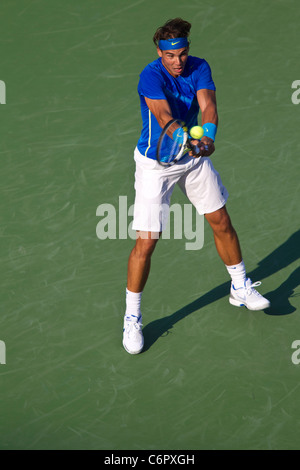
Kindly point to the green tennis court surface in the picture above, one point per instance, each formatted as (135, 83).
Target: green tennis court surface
(211, 376)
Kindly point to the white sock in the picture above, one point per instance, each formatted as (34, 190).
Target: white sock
(133, 303)
(237, 273)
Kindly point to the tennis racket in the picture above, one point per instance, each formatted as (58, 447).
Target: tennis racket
(169, 150)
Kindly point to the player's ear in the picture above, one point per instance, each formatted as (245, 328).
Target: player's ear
(159, 52)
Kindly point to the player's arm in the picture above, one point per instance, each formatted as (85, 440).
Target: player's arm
(162, 111)
(208, 106)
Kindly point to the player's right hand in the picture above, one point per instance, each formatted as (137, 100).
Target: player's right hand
(206, 146)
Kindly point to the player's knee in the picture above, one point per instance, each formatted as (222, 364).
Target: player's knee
(220, 222)
(145, 246)
(224, 224)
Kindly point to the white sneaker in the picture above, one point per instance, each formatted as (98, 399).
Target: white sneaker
(247, 296)
(133, 339)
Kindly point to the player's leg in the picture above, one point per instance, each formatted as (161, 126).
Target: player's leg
(140, 260)
(225, 237)
(204, 188)
(242, 291)
(153, 190)
(138, 271)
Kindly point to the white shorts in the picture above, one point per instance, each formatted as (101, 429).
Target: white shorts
(154, 185)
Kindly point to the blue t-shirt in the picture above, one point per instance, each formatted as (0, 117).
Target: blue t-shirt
(181, 93)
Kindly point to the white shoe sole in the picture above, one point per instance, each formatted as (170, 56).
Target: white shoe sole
(239, 303)
(133, 352)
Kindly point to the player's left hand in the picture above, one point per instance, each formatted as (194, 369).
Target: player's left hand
(206, 145)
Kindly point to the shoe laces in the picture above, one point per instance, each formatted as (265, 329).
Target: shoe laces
(249, 286)
(133, 324)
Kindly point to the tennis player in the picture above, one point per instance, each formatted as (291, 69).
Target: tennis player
(177, 85)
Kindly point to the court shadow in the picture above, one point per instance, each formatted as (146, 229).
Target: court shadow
(283, 256)
(279, 297)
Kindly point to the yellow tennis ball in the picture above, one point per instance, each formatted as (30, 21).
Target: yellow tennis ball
(196, 132)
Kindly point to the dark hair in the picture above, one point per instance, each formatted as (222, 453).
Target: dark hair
(176, 28)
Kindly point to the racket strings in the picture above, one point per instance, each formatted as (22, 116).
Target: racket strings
(170, 148)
